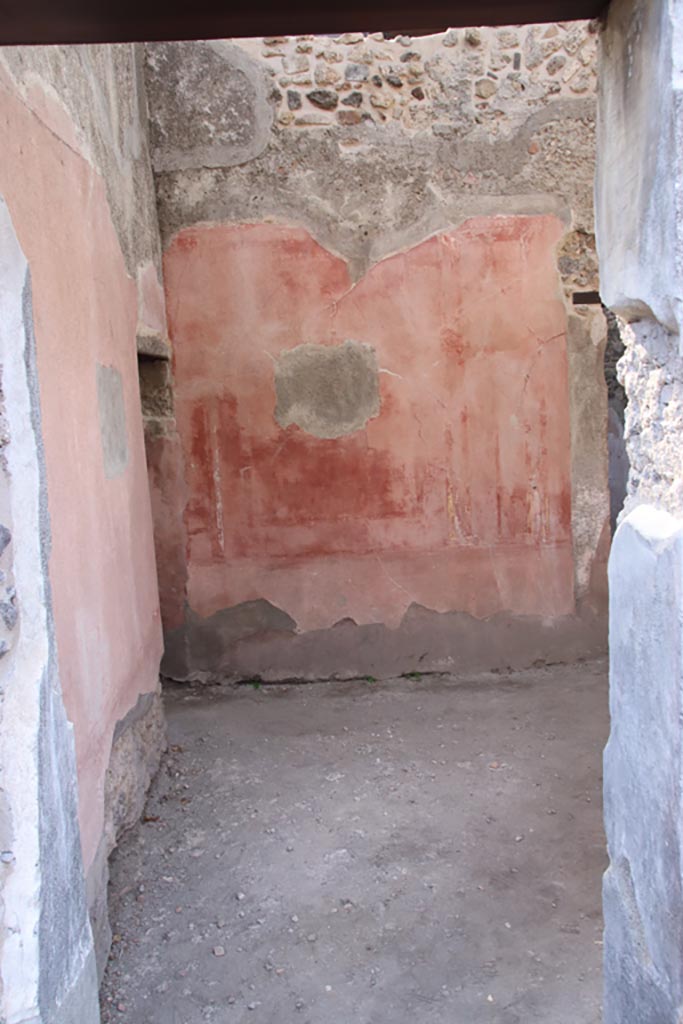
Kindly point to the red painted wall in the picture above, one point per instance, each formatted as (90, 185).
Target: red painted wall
(457, 496)
(85, 310)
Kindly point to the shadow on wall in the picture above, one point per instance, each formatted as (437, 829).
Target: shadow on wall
(617, 401)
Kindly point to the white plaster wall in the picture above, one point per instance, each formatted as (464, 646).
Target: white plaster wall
(22, 669)
(643, 887)
(639, 161)
(47, 964)
(639, 222)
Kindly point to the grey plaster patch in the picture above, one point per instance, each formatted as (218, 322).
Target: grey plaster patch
(68, 982)
(203, 644)
(394, 190)
(209, 105)
(112, 414)
(9, 609)
(633, 993)
(65, 991)
(327, 390)
(96, 884)
(262, 643)
(78, 1004)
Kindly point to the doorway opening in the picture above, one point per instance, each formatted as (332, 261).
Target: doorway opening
(379, 467)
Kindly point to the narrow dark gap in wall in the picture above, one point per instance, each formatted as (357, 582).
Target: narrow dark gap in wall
(617, 402)
(156, 388)
(586, 298)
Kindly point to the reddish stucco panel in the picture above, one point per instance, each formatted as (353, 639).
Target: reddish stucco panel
(102, 569)
(456, 496)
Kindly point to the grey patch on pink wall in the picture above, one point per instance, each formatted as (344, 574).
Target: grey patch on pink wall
(327, 390)
(208, 104)
(112, 411)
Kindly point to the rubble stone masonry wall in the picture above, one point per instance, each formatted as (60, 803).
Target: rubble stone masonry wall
(446, 84)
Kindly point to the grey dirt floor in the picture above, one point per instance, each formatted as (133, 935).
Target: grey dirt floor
(418, 851)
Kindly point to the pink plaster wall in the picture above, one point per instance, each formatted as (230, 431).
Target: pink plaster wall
(85, 308)
(457, 496)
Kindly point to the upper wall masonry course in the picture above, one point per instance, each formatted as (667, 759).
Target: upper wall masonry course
(447, 83)
(375, 144)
